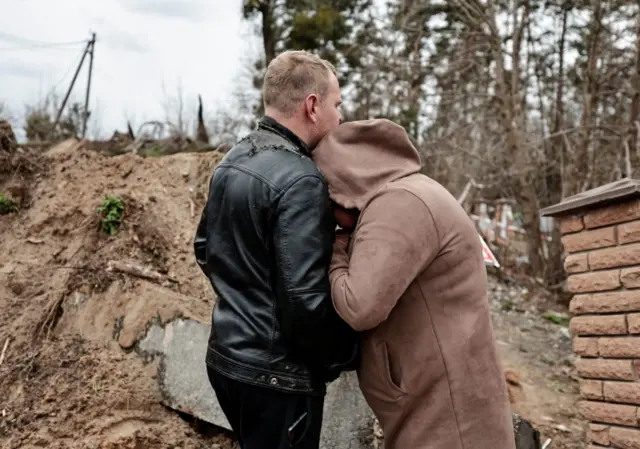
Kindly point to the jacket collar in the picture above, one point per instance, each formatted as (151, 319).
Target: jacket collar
(269, 124)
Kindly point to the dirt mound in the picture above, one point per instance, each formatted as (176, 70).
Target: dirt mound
(74, 300)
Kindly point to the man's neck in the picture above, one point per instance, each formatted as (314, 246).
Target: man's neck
(291, 123)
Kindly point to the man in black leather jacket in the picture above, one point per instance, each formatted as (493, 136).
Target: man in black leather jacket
(265, 242)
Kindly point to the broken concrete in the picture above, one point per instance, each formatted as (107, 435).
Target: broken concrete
(348, 420)
(182, 344)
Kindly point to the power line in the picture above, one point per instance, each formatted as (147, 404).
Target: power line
(74, 64)
(44, 47)
(21, 43)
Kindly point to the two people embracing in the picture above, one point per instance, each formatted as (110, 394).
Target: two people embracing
(329, 251)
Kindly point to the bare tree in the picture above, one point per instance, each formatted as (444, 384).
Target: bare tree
(177, 111)
(5, 114)
(94, 123)
(234, 118)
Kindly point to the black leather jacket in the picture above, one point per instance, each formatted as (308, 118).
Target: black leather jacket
(265, 242)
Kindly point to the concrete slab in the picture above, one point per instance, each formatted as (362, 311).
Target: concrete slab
(182, 375)
(348, 420)
(182, 344)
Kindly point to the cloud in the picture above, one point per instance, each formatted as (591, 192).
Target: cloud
(120, 40)
(172, 9)
(20, 69)
(7, 38)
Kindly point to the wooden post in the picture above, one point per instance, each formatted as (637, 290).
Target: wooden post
(73, 81)
(91, 49)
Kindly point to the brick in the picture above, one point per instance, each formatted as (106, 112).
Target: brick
(594, 282)
(571, 224)
(618, 213)
(620, 256)
(598, 325)
(620, 347)
(629, 232)
(585, 347)
(580, 304)
(591, 389)
(582, 241)
(630, 277)
(621, 301)
(621, 392)
(602, 412)
(633, 322)
(576, 263)
(599, 434)
(610, 369)
(622, 438)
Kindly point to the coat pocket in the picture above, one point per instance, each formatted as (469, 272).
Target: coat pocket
(391, 377)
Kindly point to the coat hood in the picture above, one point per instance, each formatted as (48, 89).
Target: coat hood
(359, 158)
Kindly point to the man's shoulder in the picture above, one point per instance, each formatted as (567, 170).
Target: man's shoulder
(271, 158)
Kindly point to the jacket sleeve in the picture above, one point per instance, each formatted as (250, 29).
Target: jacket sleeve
(394, 241)
(303, 238)
(200, 239)
(200, 243)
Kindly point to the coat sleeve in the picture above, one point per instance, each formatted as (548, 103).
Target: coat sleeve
(394, 241)
(303, 237)
(200, 238)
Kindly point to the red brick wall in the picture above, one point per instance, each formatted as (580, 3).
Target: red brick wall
(603, 264)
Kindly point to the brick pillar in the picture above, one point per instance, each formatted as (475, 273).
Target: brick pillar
(601, 236)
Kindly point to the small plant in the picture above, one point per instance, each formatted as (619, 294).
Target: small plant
(7, 205)
(154, 151)
(111, 213)
(557, 318)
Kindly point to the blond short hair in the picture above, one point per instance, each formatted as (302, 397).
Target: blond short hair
(292, 76)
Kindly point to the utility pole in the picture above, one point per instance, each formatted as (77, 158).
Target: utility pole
(90, 48)
(87, 50)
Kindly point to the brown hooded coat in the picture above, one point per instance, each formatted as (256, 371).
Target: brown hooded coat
(413, 281)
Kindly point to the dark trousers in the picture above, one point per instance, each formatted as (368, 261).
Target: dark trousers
(261, 417)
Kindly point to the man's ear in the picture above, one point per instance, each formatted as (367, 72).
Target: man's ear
(310, 107)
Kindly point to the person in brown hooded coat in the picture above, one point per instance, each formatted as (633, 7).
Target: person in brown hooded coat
(411, 277)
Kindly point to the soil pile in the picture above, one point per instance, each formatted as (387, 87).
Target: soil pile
(74, 300)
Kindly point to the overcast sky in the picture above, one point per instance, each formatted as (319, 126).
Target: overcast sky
(141, 45)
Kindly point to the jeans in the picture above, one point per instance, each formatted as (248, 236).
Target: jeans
(262, 417)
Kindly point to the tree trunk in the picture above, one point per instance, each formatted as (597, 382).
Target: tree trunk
(582, 168)
(554, 272)
(634, 126)
(268, 40)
